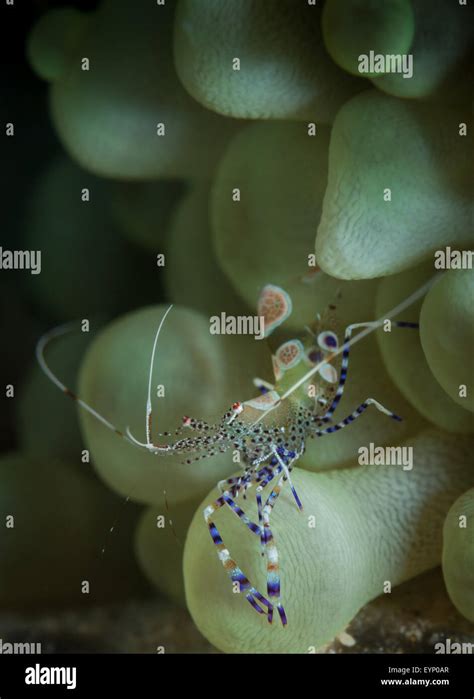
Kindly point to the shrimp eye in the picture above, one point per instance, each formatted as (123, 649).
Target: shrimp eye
(327, 340)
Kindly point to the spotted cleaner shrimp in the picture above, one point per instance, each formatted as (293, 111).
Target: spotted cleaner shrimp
(270, 431)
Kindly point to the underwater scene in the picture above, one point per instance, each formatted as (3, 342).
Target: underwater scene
(237, 328)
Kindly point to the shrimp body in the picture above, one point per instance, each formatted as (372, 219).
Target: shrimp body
(269, 431)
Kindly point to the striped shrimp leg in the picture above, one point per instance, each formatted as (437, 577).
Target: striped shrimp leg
(353, 416)
(345, 359)
(273, 567)
(253, 596)
(262, 482)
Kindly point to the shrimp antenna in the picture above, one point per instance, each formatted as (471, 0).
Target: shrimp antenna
(68, 327)
(152, 361)
(40, 350)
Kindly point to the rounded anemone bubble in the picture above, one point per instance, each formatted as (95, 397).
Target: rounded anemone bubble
(352, 28)
(159, 547)
(331, 569)
(196, 373)
(77, 239)
(447, 335)
(283, 70)
(267, 236)
(119, 108)
(441, 54)
(57, 521)
(405, 360)
(54, 40)
(458, 554)
(46, 422)
(193, 277)
(399, 187)
(143, 210)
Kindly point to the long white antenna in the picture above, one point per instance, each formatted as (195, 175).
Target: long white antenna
(148, 402)
(62, 330)
(40, 347)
